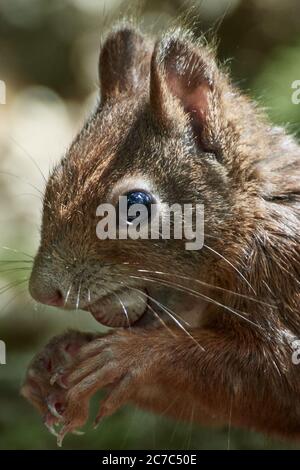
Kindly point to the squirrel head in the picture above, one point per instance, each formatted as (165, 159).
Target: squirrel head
(171, 125)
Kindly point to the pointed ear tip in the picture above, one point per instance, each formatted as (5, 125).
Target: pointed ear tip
(125, 38)
(181, 47)
(182, 42)
(122, 38)
(125, 30)
(124, 60)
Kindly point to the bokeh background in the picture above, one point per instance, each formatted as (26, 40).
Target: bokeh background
(48, 60)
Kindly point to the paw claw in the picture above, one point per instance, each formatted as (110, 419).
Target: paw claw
(53, 379)
(56, 408)
(96, 423)
(62, 434)
(51, 430)
(59, 440)
(58, 379)
(101, 414)
(78, 433)
(80, 364)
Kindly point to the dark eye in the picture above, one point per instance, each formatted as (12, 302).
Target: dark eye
(139, 197)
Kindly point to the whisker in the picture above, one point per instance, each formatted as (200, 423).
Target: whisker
(68, 294)
(162, 307)
(28, 194)
(123, 308)
(7, 287)
(78, 295)
(160, 319)
(7, 261)
(24, 268)
(14, 250)
(230, 264)
(200, 295)
(177, 316)
(210, 286)
(7, 173)
(18, 294)
(28, 155)
(275, 258)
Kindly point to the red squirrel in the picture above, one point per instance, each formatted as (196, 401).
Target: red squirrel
(195, 333)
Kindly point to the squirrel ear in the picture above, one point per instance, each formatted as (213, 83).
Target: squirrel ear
(186, 72)
(124, 63)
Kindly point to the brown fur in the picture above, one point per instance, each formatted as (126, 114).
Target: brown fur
(170, 113)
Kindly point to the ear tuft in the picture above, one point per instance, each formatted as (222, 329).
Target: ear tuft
(124, 63)
(187, 72)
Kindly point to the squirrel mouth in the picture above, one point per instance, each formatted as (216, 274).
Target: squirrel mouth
(121, 308)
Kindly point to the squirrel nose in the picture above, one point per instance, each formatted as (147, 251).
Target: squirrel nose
(43, 285)
(56, 299)
(45, 294)
(53, 298)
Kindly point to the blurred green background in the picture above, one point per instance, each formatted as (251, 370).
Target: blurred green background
(48, 60)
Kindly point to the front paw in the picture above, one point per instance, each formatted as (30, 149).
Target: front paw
(37, 388)
(118, 362)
